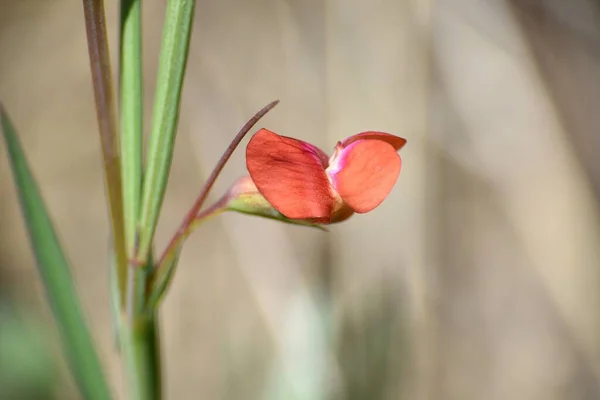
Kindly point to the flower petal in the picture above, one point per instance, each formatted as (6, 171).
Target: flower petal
(365, 172)
(396, 141)
(244, 197)
(290, 174)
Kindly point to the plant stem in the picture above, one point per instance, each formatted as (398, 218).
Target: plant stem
(140, 329)
(195, 209)
(95, 24)
(178, 239)
(165, 268)
(141, 350)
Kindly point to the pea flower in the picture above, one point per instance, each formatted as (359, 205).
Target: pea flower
(295, 181)
(292, 181)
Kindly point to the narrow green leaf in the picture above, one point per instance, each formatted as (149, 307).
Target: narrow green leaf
(173, 59)
(54, 269)
(131, 116)
(138, 332)
(95, 25)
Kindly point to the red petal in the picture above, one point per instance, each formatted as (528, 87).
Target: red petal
(365, 173)
(396, 141)
(290, 174)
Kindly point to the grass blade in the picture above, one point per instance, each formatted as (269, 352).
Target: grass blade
(131, 116)
(171, 71)
(54, 269)
(95, 24)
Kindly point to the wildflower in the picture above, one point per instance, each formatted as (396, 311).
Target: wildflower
(300, 182)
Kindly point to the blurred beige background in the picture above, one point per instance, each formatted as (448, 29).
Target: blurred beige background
(478, 278)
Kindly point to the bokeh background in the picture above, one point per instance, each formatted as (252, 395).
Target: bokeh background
(479, 276)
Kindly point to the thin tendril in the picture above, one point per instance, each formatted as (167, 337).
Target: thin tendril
(193, 212)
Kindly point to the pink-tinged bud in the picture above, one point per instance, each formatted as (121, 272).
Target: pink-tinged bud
(298, 180)
(245, 198)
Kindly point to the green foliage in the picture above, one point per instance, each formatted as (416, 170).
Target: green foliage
(54, 270)
(171, 71)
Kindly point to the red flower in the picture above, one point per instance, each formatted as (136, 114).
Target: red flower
(301, 182)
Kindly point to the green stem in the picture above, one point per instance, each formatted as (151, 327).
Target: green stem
(141, 350)
(140, 338)
(180, 236)
(139, 332)
(165, 268)
(193, 213)
(167, 263)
